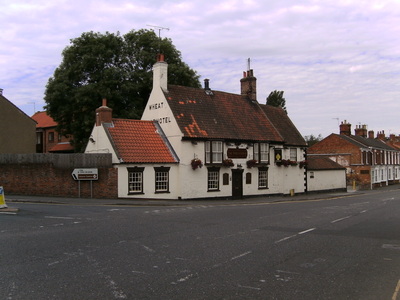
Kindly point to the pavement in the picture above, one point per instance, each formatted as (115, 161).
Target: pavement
(146, 202)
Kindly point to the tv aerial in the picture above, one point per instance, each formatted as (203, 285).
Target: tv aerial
(159, 28)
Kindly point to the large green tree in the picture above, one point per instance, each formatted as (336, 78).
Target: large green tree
(111, 66)
(276, 99)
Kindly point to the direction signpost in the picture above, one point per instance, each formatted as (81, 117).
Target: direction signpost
(85, 174)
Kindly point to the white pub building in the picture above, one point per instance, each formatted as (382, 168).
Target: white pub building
(194, 143)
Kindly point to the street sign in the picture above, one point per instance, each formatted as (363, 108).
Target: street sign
(85, 174)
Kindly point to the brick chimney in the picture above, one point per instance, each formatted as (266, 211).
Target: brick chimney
(345, 128)
(160, 72)
(103, 114)
(381, 135)
(248, 86)
(371, 134)
(361, 130)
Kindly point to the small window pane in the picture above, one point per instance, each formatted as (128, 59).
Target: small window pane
(262, 178)
(213, 180)
(135, 182)
(293, 154)
(264, 152)
(161, 181)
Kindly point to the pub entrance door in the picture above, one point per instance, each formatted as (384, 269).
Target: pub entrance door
(237, 183)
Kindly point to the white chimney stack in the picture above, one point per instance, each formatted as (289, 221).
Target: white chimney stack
(160, 72)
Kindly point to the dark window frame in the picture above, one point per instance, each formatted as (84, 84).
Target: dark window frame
(262, 169)
(135, 170)
(158, 182)
(209, 171)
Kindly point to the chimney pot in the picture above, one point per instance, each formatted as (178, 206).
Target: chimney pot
(160, 57)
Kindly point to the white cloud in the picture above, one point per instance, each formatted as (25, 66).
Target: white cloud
(334, 59)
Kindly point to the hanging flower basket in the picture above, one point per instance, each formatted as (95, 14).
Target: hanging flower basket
(196, 163)
(303, 164)
(251, 163)
(286, 163)
(283, 162)
(228, 163)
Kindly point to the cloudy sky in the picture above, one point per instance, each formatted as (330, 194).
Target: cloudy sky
(335, 60)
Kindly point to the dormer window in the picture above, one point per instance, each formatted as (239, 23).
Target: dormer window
(214, 152)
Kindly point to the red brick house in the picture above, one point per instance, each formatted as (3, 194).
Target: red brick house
(48, 139)
(370, 162)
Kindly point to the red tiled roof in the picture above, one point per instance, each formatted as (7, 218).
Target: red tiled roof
(43, 120)
(62, 147)
(219, 115)
(138, 141)
(284, 125)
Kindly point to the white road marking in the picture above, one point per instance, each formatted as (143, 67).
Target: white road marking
(308, 230)
(391, 246)
(183, 279)
(148, 249)
(341, 219)
(285, 238)
(249, 287)
(241, 255)
(63, 218)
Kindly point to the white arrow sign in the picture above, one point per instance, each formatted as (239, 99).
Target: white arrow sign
(85, 174)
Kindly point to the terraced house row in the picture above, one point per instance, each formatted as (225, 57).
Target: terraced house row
(371, 161)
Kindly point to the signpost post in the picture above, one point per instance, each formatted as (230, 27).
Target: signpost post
(85, 174)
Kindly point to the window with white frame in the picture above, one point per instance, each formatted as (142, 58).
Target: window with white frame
(262, 178)
(135, 180)
(161, 179)
(293, 154)
(214, 151)
(213, 179)
(261, 152)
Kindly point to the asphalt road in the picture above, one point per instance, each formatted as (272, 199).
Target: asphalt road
(344, 248)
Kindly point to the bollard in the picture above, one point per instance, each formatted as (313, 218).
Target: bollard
(2, 198)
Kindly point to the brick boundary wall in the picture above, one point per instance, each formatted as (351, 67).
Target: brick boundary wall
(45, 179)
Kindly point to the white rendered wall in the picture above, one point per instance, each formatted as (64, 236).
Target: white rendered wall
(100, 143)
(148, 182)
(326, 180)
